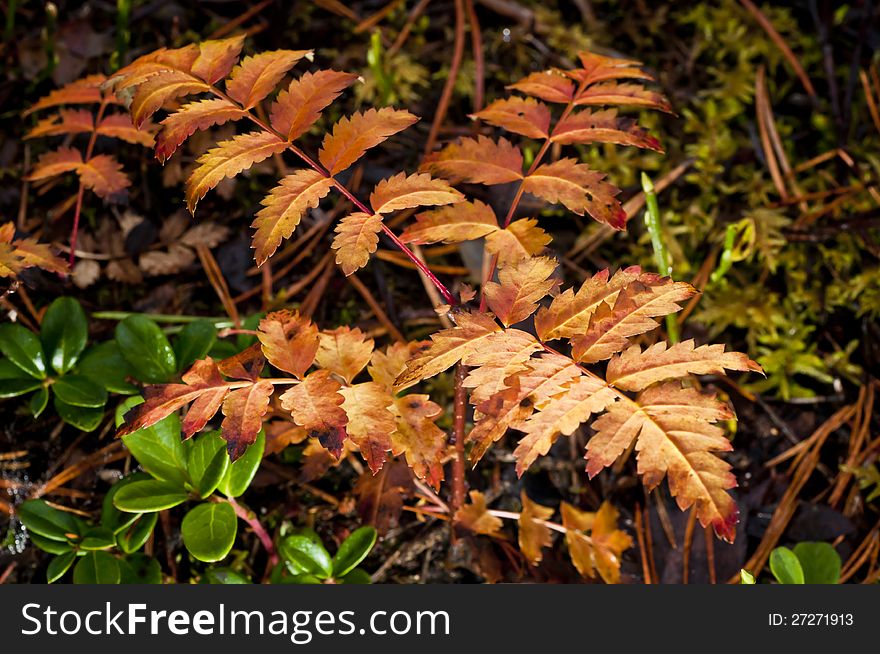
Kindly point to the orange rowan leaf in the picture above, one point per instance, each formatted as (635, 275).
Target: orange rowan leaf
(162, 400)
(10, 263)
(634, 370)
(386, 365)
(578, 401)
(23, 253)
(549, 85)
(633, 313)
(57, 162)
(152, 94)
(603, 127)
(524, 116)
(539, 380)
(344, 351)
(247, 364)
(315, 405)
(520, 240)
(569, 314)
(158, 62)
(449, 346)
(86, 90)
(579, 188)
(244, 409)
(597, 68)
(354, 135)
(357, 237)
(66, 121)
(477, 161)
(189, 119)
(465, 221)
(423, 443)
(475, 516)
(217, 57)
(370, 420)
(119, 126)
(675, 438)
(534, 535)
(289, 341)
(297, 108)
(227, 160)
(103, 175)
(601, 550)
(257, 75)
(623, 95)
(499, 356)
(284, 207)
(417, 190)
(519, 289)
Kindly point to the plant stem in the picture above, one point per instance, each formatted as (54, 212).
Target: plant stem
(251, 519)
(458, 420)
(220, 323)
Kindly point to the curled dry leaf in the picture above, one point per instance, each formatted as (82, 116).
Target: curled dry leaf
(475, 516)
(465, 221)
(534, 535)
(244, 409)
(519, 289)
(599, 551)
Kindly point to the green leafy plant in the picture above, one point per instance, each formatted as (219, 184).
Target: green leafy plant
(807, 563)
(57, 362)
(305, 559)
(104, 553)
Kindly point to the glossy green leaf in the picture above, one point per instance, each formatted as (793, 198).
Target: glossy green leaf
(357, 576)
(78, 390)
(194, 342)
(97, 538)
(82, 418)
(59, 565)
(746, 578)
(207, 463)
(305, 554)
(158, 448)
(224, 576)
(49, 522)
(97, 568)
(51, 546)
(38, 402)
(24, 349)
(353, 550)
(209, 531)
(140, 569)
(133, 537)
(113, 518)
(240, 474)
(147, 496)
(104, 364)
(785, 566)
(819, 561)
(147, 349)
(20, 386)
(64, 332)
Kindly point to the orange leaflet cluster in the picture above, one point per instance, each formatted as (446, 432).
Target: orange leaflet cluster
(521, 383)
(100, 173)
(335, 411)
(157, 78)
(18, 254)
